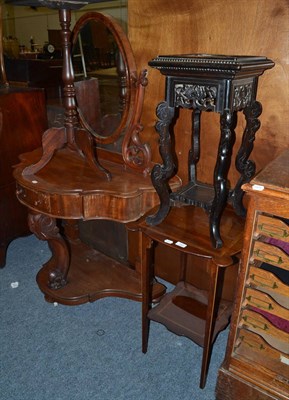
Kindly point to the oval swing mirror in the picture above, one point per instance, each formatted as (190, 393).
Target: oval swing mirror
(106, 83)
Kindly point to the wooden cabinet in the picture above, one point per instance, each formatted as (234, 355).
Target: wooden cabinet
(36, 73)
(256, 366)
(22, 121)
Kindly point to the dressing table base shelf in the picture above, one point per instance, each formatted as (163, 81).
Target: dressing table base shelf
(93, 275)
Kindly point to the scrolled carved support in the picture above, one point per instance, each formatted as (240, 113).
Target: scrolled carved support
(162, 173)
(136, 154)
(227, 140)
(245, 166)
(44, 228)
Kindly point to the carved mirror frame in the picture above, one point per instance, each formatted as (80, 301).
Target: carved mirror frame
(135, 154)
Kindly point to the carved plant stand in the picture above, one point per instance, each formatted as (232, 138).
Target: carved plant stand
(222, 84)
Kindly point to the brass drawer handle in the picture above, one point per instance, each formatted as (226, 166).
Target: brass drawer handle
(243, 340)
(260, 281)
(273, 230)
(255, 323)
(268, 257)
(259, 303)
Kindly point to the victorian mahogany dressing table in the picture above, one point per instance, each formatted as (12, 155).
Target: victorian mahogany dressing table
(68, 180)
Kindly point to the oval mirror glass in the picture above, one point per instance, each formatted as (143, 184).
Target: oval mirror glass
(103, 67)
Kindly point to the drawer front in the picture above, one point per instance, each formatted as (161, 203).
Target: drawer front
(264, 302)
(267, 282)
(272, 227)
(256, 323)
(257, 350)
(267, 253)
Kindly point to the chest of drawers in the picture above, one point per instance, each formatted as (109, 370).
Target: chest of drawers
(256, 365)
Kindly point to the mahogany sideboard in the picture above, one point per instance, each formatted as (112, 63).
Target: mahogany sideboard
(22, 121)
(256, 365)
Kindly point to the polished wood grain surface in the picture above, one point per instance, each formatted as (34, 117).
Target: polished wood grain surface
(69, 188)
(22, 121)
(190, 226)
(248, 27)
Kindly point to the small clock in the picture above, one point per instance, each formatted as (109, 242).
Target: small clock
(49, 48)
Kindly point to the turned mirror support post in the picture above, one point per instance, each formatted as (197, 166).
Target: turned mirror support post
(71, 135)
(71, 119)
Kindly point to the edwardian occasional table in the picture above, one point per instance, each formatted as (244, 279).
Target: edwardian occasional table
(188, 311)
(217, 83)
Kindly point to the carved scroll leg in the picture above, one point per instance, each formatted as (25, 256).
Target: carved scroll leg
(45, 228)
(245, 166)
(86, 145)
(53, 139)
(220, 176)
(162, 173)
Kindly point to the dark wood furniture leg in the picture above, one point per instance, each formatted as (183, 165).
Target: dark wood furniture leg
(162, 173)
(146, 277)
(226, 143)
(194, 153)
(245, 166)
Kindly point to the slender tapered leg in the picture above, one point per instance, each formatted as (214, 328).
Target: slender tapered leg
(146, 286)
(210, 318)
